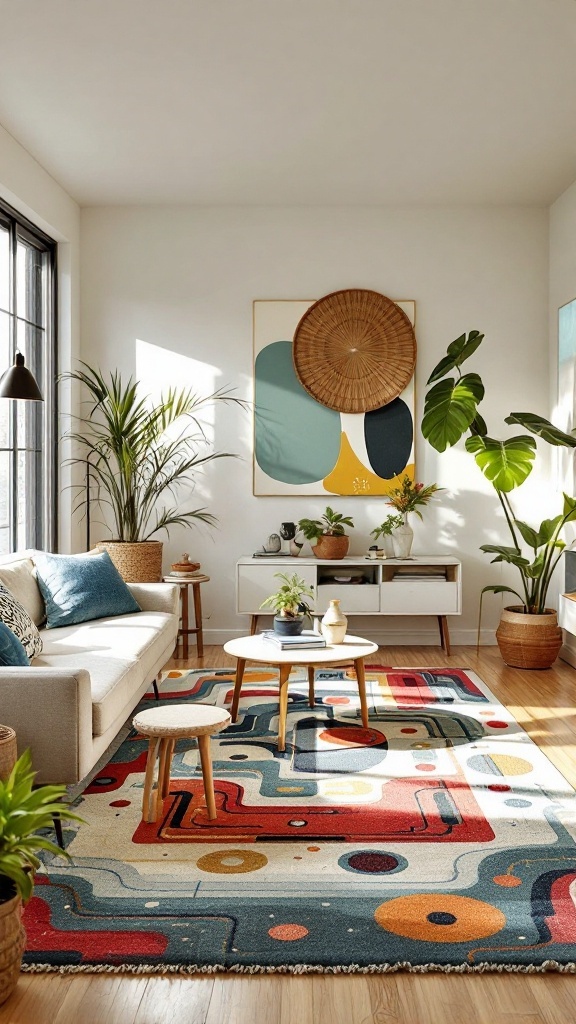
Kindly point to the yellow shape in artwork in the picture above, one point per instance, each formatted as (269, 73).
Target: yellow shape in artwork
(350, 476)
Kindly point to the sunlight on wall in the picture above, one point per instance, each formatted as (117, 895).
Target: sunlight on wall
(158, 368)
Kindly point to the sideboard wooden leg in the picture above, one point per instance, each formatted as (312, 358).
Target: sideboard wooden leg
(444, 633)
(253, 624)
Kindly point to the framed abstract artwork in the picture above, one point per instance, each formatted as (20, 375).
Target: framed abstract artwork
(303, 447)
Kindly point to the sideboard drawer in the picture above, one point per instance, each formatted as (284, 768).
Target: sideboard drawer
(419, 598)
(353, 598)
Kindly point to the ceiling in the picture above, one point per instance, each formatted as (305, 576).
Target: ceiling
(294, 101)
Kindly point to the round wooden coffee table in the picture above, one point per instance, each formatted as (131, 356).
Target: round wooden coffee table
(254, 648)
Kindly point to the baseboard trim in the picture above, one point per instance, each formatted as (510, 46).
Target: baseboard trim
(428, 637)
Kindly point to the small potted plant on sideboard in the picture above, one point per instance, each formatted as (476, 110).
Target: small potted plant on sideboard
(332, 542)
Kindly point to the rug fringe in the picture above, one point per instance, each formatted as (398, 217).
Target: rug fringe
(484, 968)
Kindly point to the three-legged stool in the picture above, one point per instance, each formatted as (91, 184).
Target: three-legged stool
(163, 727)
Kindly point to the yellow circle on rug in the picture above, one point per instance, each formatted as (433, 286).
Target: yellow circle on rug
(434, 917)
(509, 764)
(231, 862)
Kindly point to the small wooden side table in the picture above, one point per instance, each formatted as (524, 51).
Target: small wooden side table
(186, 630)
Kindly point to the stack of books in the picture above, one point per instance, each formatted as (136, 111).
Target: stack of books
(306, 640)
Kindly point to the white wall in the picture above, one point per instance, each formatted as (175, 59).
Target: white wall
(167, 294)
(33, 192)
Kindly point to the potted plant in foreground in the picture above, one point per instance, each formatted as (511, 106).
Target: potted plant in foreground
(137, 459)
(289, 604)
(23, 812)
(528, 634)
(329, 533)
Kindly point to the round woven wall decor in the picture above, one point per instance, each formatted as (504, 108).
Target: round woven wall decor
(354, 350)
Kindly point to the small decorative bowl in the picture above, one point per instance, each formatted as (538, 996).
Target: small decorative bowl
(182, 567)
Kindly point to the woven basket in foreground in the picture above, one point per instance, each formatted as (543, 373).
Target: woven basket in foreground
(7, 750)
(137, 563)
(354, 350)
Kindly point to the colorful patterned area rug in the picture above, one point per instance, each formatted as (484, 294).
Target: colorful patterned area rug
(441, 838)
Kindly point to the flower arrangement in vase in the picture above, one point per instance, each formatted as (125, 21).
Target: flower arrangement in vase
(405, 499)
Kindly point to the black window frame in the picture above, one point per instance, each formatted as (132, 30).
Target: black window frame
(46, 505)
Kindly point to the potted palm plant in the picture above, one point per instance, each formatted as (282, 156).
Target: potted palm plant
(24, 811)
(137, 456)
(528, 634)
(332, 542)
(289, 604)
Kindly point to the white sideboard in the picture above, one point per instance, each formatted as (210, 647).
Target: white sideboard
(423, 585)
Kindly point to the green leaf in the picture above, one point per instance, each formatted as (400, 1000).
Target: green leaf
(527, 533)
(478, 425)
(543, 428)
(506, 464)
(457, 352)
(548, 528)
(505, 554)
(450, 408)
(498, 589)
(569, 508)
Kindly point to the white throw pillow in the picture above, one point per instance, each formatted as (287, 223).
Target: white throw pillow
(15, 616)
(19, 578)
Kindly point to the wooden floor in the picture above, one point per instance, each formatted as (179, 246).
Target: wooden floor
(545, 705)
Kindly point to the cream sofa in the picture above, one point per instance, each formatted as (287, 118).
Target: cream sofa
(73, 699)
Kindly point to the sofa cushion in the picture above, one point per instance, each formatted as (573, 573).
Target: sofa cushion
(18, 577)
(18, 620)
(79, 588)
(118, 652)
(11, 650)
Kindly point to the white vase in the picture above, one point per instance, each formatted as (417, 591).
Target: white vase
(388, 545)
(403, 537)
(334, 624)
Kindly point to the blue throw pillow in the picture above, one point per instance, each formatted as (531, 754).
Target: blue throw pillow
(77, 588)
(11, 649)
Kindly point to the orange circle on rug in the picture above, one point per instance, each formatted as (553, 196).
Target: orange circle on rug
(231, 862)
(508, 881)
(433, 917)
(352, 736)
(288, 932)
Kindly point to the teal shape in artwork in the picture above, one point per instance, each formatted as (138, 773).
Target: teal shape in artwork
(297, 440)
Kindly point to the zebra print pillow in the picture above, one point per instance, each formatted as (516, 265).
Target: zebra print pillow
(17, 619)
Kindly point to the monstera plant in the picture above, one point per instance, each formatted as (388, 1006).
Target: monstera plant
(528, 634)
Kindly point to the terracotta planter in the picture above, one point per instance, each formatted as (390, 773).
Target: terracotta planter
(331, 547)
(12, 943)
(529, 641)
(140, 562)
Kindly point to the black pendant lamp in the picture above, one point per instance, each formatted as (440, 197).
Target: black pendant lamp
(18, 382)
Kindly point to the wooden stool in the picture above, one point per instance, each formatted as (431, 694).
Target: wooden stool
(185, 629)
(163, 727)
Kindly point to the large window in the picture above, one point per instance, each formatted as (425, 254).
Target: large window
(27, 436)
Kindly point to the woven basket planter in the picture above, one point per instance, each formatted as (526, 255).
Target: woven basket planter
(8, 752)
(12, 943)
(137, 563)
(529, 641)
(331, 547)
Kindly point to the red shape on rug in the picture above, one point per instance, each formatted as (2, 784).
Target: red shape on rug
(92, 945)
(408, 810)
